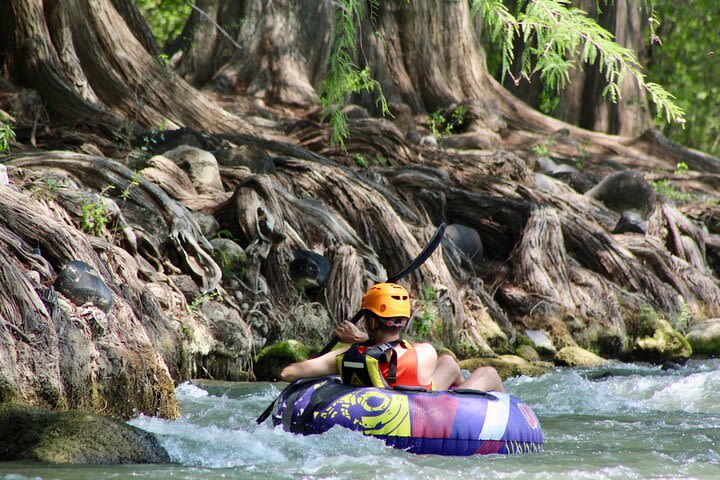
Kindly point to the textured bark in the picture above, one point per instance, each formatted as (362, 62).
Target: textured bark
(87, 65)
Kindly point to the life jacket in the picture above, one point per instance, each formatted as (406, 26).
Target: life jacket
(367, 365)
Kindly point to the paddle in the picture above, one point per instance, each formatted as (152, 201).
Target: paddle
(410, 268)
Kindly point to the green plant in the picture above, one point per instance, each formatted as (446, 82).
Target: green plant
(7, 136)
(95, 215)
(557, 37)
(199, 300)
(540, 150)
(230, 263)
(165, 17)
(441, 126)
(422, 324)
(681, 168)
(664, 187)
(361, 161)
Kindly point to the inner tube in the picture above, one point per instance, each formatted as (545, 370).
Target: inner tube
(453, 422)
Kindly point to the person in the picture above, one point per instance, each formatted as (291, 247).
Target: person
(383, 359)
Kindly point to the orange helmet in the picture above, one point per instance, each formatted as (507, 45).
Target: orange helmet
(387, 301)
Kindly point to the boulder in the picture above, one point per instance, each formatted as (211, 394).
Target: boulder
(271, 360)
(540, 341)
(82, 284)
(659, 341)
(704, 337)
(528, 353)
(469, 141)
(622, 191)
(630, 222)
(577, 357)
(250, 156)
(309, 270)
(507, 365)
(201, 167)
(35, 434)
(465, 243)
(207, 223)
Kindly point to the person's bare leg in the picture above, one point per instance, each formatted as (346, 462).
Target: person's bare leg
(447, 373)
(484, 379)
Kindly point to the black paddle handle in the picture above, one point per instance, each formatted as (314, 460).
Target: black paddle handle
(411, 267)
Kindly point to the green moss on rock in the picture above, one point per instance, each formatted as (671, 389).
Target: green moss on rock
(272, 359)
(528, 353)
(577, 357)
(704, 337)
(661, 342)
(32, 433)
(507, 366)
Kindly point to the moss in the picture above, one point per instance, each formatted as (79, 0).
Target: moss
(507, 366)
(32, 433)
(527, 352)
(272, 359)
(577, 357)
(704, 337)
(659, 341)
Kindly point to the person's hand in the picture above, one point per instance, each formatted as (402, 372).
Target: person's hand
(346, 332)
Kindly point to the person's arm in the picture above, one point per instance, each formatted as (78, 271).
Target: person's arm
(314, 367)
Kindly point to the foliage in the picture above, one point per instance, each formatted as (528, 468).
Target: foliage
(422, 324)
(688, 63)
(199, 300)
(442, 126)
(7, 136)
(681, 168)
(165, 17)
(344, 78)
(557, 36)
(95, 215)
(664, 187)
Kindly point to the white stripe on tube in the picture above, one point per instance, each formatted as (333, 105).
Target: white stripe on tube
(496, 418)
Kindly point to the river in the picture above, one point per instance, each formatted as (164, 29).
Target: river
(620, 422)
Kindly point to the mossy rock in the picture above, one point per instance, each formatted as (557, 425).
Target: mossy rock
(507, 366)
(272, 359)
(37, 434)
(704, 337)
(577, 357)
(662, 343)
(528, 353)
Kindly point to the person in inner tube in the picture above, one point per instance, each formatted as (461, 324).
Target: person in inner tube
(382, 359)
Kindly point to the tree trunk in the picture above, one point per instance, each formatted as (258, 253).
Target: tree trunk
(88, 65)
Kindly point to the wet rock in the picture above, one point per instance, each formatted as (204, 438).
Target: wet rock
(508, 366)
(622, 191)
(704, 337)
(540, 341)
(250, 156)
(413, 136)
(309, 270)
(630, 222)
(207, 223)
(201, 167)
(659, 341)
(271, 360)
(229, 357)
(465, 243)
(82, 284)
(528, 353)
(545, 164)
(577, 357)
(469, 141)
(428, 141)
(36, 434)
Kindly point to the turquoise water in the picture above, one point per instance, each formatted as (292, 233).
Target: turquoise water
(623, 422)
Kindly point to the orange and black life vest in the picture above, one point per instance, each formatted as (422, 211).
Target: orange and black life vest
(367, 365)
